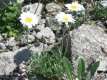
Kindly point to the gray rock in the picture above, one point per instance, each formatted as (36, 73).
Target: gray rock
(41, 47)
(88, 42)
(53, 8)
(33, 33)
(52, 23)
(103, 64)
(11, 59)
(41, 24)
(101, 76)
(27, 38)
(31, 38)
(47, 35)
(11, 42)
(23, 39)
(2, 46)
(40, 27)
(6, 63)
(33, 8)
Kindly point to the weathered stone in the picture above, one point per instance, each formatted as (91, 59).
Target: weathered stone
(101, 76)
(27, 38)
(11, 42)
(11, 59)
(46, 34)
(2, 46)
(41, 24)
(31, 38)
(53, 8)
(88, 42)
(33, 8)
(52, 23)
(24, 40)
(41, 47)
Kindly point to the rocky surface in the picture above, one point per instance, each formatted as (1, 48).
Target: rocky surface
(10, 60)
(12, 55)
(53, 8)
(33, 8)
(47, 34)
(89, 42)
(11, 44)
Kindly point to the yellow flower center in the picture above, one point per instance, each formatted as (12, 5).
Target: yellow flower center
(28, 20)
(74, 6)
(66, 18)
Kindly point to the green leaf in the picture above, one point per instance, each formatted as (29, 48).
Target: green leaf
(68, 68)
(93, 68)
(8, 20)
(81, 70)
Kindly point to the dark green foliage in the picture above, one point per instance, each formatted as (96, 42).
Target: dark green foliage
(81, 70)
(99, 12)
(93, 68)
(68, 68)
(9, 23)
(83, 73)
(51, 65)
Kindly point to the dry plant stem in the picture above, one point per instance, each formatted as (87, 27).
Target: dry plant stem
(65, 39)
(86, 17)
(27, 37)
(37, 6)
(93, 2)
(27, 33)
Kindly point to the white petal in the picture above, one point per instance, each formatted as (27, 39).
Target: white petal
(68, 5)
(81, 8)
(34, 17)
(60, 17)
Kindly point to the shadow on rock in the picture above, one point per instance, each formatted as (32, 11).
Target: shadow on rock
(21, 56)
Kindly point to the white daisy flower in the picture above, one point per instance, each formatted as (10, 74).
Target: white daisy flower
(104, 3)
(29, 19)
(66, 18)
(75, 6)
